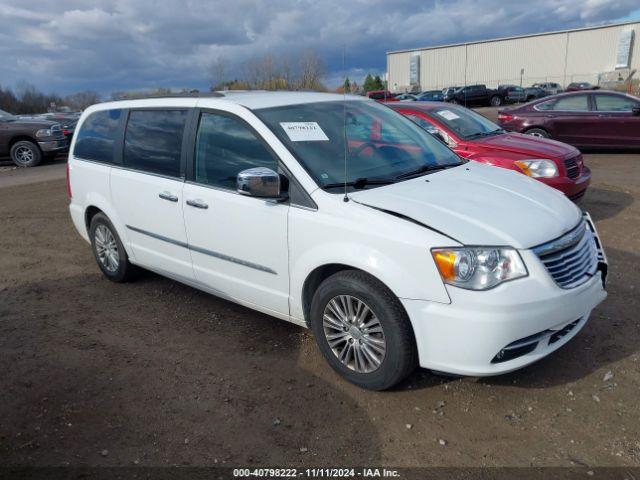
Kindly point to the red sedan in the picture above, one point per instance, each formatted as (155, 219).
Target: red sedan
(587, 119)
(474, 137)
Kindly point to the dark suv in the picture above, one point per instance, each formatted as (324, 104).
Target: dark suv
(475, 96)
(28, 141)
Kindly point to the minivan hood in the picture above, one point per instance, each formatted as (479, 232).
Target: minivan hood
(478, 204)
(530, 146)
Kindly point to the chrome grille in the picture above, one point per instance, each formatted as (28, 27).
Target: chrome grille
(56, 131)
(571, 259)
(572, 167)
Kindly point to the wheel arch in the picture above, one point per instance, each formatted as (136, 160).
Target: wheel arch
(20, 138)
(90, 212)
(319, 275)
(93, 208)
(536, 127)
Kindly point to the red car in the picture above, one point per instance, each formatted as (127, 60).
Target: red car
(473, 136)
(382, 96)
(587, 119)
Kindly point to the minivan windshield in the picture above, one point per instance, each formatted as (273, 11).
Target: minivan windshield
(381, 145)
(465, 123)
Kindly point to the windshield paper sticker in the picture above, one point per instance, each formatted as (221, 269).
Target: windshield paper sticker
(304, 131)
(448, 114)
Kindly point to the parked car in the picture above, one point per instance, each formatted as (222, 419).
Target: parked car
(29, 141)
(551, 88)
(382, 95)
(474, 137)
(475, 96)
(431, 96)
(408, 255)
(600, 119)
(531, 93)
(577, 86)
(448, 90)
(404, 97)
(67, 121)
(512, 93)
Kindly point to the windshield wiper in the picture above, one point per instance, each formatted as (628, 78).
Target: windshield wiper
(360, 183)
(425, 169)
(486, 134)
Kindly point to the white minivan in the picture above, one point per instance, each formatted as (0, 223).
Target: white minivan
(338, 214)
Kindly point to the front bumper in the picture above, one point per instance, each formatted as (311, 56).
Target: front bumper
(54, 145)
(465, 336)
(573, 188)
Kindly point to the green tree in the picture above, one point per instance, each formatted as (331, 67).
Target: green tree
(377, 81)
(368, 84)
(346, 85)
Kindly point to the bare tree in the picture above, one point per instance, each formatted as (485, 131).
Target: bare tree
(311, 70)
(82, 100)
(218, 72)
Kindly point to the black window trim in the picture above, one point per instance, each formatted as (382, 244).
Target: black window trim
(301, 198)
(553, 101)
(116, 138)
(594, 95)
(119, 156)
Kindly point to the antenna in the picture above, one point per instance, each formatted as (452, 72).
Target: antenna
(344, 119)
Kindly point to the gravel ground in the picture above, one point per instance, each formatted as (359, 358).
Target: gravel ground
(157, 373)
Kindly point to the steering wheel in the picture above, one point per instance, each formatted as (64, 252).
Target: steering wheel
(358, 150)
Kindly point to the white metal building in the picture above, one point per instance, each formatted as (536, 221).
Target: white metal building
(585, 54)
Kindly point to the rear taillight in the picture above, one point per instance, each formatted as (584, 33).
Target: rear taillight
(69, 195)
(505, 117)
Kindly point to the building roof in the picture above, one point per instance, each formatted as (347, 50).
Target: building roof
(501, 39)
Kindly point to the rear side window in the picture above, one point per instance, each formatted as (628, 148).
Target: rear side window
(153, 141)
(224, 147)
(614, 103)
(573, 103)
(97, 136)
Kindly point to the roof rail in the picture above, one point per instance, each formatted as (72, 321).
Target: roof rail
(176, 95)
(185, 94)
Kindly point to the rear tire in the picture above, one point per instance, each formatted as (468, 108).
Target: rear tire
(109, 252)
(372, 342)
(538, 132)
(26, 154)
(496, 101)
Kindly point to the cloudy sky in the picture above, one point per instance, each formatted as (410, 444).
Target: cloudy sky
(64, 46)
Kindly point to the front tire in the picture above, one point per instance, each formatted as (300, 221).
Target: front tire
(362, 330)
(496, 101)
(26, 154)
(109, 252)
(538, 132)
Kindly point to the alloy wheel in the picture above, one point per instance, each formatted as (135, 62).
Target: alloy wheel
(24, 155)
(354, 334)
(107, 248)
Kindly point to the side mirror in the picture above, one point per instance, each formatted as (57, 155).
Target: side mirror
(436, 133)
(635, 111)
(259, 182)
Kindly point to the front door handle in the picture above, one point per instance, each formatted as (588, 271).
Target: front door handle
(168, 196)
(197, 204)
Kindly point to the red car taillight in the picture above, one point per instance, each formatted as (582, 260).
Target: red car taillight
(505, 117)
(69, 195)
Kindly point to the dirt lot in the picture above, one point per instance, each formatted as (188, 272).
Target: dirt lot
(157, 373)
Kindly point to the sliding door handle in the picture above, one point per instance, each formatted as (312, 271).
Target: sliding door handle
(168, 196)
(197, 204)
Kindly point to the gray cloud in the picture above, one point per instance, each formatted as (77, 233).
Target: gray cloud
(68, 45)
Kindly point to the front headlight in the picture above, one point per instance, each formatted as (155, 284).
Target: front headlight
(538, 168)
(478, 268)
(45, 132)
